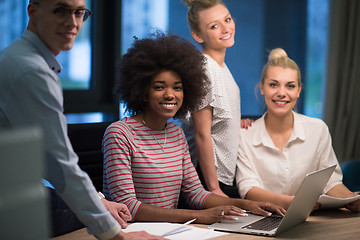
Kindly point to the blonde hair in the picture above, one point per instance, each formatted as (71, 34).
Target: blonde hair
(279, 58)
(196, 6)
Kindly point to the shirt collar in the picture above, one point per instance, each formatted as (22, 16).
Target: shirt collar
(263, 137)
(298, 130)
(44, 51)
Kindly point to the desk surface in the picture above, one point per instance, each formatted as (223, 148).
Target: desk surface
(322, 224)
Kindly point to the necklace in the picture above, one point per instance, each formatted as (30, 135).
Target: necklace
(162, 146)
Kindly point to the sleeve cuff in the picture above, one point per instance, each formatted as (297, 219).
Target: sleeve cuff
(245, 186)
(101, 196)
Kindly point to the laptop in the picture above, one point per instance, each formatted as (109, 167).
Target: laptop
(299, 210)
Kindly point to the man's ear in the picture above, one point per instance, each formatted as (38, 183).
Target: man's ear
(32, 10)
(197, 37)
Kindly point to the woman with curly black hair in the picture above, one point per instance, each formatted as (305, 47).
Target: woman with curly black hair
(146, 158)
(148, 57)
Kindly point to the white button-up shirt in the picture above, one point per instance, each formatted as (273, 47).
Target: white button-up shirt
(261, 164)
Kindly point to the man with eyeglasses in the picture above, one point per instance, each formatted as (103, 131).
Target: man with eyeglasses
(31, 94)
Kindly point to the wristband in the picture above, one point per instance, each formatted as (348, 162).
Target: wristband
(101, 196)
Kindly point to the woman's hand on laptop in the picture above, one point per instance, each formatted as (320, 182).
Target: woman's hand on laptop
(265, 209)
(216, 214)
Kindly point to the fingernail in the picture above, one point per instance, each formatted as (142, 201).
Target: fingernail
(269, 214)
(244, 214)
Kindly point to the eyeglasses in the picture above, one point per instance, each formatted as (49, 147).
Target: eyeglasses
(63, 12)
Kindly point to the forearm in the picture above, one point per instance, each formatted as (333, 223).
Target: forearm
(215, 200)
(340, 191)
(207, 163)
(202, 125)
(261, 208)
(151, 213)
(262, 195)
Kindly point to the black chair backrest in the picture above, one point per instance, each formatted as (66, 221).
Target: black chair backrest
(86, 140)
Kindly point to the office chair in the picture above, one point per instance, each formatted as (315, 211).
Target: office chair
(351, 174)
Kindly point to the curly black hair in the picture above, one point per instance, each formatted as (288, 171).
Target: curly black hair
(148, 57)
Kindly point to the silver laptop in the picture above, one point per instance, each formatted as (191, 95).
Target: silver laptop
(298, 211)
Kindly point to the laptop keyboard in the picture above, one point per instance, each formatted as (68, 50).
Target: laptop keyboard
(265, 224)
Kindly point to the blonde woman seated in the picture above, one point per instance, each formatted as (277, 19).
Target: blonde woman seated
(283, 146)
(146, 158)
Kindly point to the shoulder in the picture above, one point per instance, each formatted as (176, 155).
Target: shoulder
(309, 120)
(254, 135)
(256, 126)
(310, 123)
(173, 127)
(24, 56)
(175, 132)
(22, 62)
(122, 126)
(212, 67)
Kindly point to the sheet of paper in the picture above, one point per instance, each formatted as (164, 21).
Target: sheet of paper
(333, 202)
(188, 233)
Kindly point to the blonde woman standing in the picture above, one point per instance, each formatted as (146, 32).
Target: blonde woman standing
(213, 130)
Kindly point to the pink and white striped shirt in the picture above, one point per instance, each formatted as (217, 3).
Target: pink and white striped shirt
(137, 169)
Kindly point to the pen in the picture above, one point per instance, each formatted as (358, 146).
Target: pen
(175, 230)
